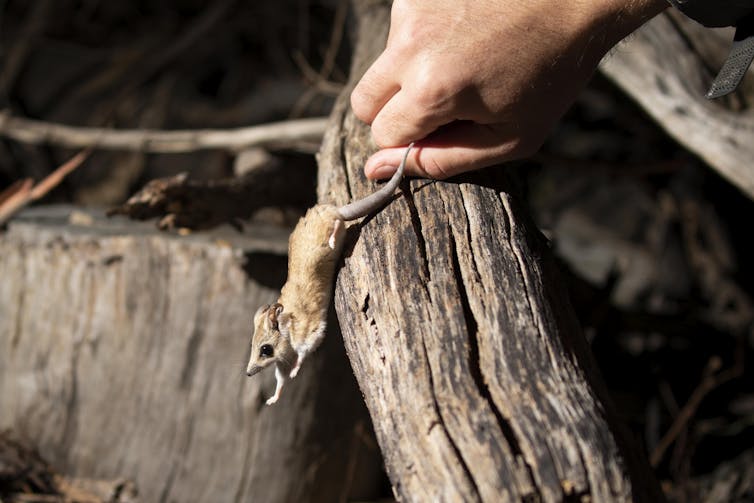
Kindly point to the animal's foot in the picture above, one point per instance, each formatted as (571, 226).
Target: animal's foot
(299, 360)
(294, 370)
(272, 399)
(337, 233)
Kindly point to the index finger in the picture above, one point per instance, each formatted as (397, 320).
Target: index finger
(378, 85)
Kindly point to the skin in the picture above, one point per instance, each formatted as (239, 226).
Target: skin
(479, 82)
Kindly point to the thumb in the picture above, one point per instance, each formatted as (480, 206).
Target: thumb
(451, 150)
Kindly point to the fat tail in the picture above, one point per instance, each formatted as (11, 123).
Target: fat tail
(376, 200)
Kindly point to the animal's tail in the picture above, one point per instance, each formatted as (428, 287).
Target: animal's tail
(373, 202)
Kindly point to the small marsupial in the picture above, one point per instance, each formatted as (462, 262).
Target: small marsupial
(287, 331)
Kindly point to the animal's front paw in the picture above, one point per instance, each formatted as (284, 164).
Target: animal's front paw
(294, 371)
(271, 400)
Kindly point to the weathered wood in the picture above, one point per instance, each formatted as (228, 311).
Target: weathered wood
(179, 201)
(473, 368)
(122, 354)
(666, 68)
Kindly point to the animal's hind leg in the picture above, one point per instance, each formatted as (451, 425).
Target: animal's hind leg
(297, 366)
(338, 230)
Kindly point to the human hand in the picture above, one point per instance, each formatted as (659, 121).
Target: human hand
(476, 82)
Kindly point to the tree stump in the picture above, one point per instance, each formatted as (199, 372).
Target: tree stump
(477, 378)
(122, 354)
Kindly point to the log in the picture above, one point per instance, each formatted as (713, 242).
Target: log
(666, 68)
(477, 378)
(122, 355)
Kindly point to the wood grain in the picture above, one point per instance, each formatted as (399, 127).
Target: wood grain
(478, 381)
(122, 354)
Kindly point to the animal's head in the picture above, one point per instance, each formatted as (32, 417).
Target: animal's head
(271, 340)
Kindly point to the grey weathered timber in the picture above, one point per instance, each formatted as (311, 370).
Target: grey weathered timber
(478, 381)
(122, 354)
(667, 67)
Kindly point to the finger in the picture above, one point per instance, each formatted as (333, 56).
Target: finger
(378, 85)
(403, 120)
(454, 149)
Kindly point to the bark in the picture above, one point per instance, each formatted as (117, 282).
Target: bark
(478, 381)
(667, 67)
(122, 354)
(179, 201)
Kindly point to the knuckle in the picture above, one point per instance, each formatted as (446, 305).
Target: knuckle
(432, 93)
(437, 90)
(384, 132)
(360, 104)
(393, 129)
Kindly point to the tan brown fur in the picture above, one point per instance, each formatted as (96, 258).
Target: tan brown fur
(311, 269)
(286, 332)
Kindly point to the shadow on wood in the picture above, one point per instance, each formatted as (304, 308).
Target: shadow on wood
(478, 380)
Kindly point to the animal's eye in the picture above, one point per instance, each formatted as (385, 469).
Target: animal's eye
(265, 350)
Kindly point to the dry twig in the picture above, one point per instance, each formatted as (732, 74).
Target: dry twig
(275, 134)
(21, 193)
(711, 380)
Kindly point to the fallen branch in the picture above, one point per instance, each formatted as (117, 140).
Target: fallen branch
(21, 193)
(710, 381)
(276, 134)
(180, 202)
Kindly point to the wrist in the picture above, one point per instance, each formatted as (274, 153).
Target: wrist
(601, 24)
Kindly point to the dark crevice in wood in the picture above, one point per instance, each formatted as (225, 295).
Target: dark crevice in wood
(472, 245)
(19, 312)
(192, 350)
(472, 328)
(522, 271)
(475, 369)
(456, 450)
(343, 161)
(474, 363)
(416, 225)
(71, 423)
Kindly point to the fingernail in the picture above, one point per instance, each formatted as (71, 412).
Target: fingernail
(379, 172)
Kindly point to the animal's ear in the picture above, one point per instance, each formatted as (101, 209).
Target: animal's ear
(273, 313)
(284, 323)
